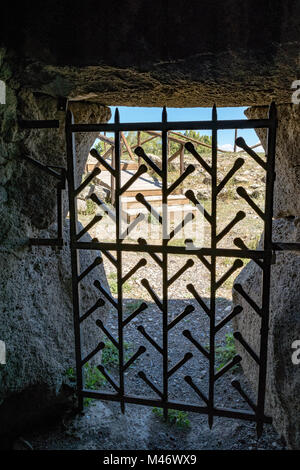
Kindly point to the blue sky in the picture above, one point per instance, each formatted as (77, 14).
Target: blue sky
(226, 137)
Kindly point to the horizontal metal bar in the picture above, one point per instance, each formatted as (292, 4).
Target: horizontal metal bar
(286, 246)
(175, 125)
(46, 242)
(43, 167)
(172, 405)
(178, 250)
(41, 124)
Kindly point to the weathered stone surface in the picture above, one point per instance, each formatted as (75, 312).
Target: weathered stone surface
(37, 327)
(176, 54)
(35, 287)
(283, 381)
(287, 183)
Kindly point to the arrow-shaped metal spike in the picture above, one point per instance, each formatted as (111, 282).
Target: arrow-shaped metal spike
(142, 262)
(103, 162)
(186, 266)
(99, 303)
(146, 284)
(248, 299)
(131, 227)
(157, 259)
(142, 330)
(238, 263)
(139, 352)
(236, 384)
(94, 173)
(239, 216)
(141, 170)
(140, 198)
(236, 166)
(242, 246)
(95, 263)
(103, 206)
(110, 257)
(108, 378)
(191, 196)
(100, 324)
(237, 309)
(228, 366)
(105, 293)
(240, 142)
(94, 221)
(202, 304)
(239, 337)
(243, 193)
(189, 380)
(98, 348)
(187, 334)
(190, 169)
(188, 309)
(139, 151)
(188, 218)
(140, 309)
(143, 376)
(179, 364)
(190, 148)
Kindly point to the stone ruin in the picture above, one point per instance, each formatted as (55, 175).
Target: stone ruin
(177, 54)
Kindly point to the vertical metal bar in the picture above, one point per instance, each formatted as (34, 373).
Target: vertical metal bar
(119, 259)
(181, 159)
(139, 143)
(165, 261)
(75, 265)
(213, 269)
(60, 186)
(112, 178)
(235, 137)
(270, 178)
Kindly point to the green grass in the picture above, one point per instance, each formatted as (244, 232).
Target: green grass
(93, 379)
(90, 207)
(113, 284)
(132, 306)
(175, 417)
(226, 353)
(110, 354)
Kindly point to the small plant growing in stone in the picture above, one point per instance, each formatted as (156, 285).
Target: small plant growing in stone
(90, 207)
(110, 354)
(93, 379)
(175, 417)
(113, 284)
(226, 353)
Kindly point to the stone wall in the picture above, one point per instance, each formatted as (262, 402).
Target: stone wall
(283, 381)
(35, 285)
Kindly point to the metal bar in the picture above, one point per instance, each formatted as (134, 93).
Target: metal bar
(117, 202)
(142, 330)
(213, 280)
(165, 321)
(263, 355)
(75, 263)
(169, 126)
(85, 229)
(177, 250)
(41, 124)
(46, 242)
(42, 167)
(137, 400)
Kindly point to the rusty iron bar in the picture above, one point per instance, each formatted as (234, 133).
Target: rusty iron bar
(75, 263)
